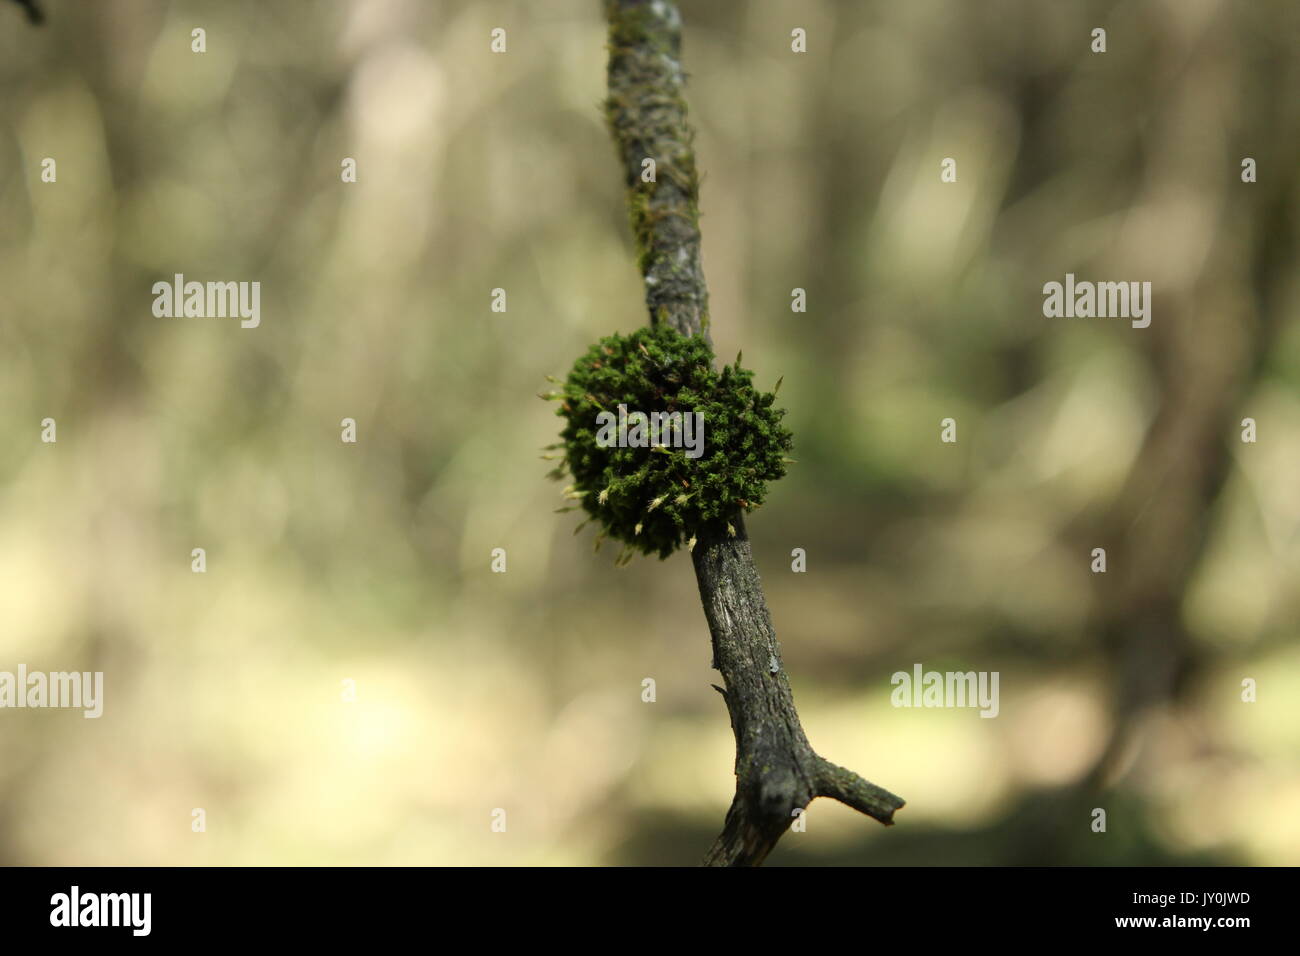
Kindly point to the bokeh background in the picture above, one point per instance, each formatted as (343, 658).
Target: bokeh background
(370, 562)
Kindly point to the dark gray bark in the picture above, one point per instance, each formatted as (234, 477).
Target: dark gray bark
(777, 771)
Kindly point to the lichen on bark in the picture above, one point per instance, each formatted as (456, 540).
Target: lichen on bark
(646, 113)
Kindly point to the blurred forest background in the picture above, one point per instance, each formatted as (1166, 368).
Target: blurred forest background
(370, 562)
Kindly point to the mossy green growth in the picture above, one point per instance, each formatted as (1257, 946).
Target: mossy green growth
(656, 499)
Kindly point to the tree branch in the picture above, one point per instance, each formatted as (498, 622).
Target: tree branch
(777, 772)
(848, 788)
(33, 9)
(647, 117)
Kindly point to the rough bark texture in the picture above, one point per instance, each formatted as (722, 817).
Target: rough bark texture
(647, 117)
(777, 771)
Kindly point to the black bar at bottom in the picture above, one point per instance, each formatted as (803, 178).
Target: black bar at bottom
(302, 905)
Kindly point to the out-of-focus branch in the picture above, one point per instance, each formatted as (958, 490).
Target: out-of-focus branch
(33, 9)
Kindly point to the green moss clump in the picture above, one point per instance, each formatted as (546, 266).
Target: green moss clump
(655, 499)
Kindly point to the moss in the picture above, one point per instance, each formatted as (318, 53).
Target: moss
(656, 499)
(634, 28)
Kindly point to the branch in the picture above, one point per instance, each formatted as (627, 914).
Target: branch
(777, 771)
(647, 117)
(33, 9)
(848, 788)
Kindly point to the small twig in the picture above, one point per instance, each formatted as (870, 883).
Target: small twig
(848, 788)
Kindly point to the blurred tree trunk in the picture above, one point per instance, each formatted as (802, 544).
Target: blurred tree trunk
(1206, 351)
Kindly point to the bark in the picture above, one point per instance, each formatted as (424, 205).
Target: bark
(777, 772)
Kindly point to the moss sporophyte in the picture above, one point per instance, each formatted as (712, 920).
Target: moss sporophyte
(660, 445)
